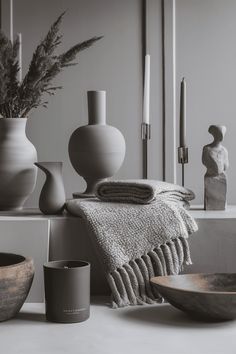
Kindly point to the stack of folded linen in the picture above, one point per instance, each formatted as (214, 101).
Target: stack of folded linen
(139, 229)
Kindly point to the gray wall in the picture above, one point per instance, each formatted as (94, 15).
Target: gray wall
(206, 56)
(113, 64)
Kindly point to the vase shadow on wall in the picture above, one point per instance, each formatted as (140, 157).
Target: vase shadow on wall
(166, 315)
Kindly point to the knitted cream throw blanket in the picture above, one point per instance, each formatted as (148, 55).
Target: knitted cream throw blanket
(141, 191)
(136, 242)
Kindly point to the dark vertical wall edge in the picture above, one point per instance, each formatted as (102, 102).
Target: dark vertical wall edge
(0, 14)
(163, 92)
(144, 33)
(144, 50)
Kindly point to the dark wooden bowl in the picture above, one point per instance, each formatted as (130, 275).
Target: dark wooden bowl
(209, 296)
(16, 276)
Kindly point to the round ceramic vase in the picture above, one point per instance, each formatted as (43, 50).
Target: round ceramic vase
(96, 150)
(17, 171)
(67, 291)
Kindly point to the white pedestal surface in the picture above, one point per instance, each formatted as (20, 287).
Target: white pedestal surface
(51, 237)
(65, 237)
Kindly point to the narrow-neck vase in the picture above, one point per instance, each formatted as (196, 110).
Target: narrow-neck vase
(96, 150)
(52, 197)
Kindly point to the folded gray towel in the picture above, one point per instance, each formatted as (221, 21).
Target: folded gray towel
(136, 242)
(141, 191)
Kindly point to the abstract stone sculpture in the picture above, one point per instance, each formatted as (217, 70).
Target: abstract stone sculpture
(215, 158)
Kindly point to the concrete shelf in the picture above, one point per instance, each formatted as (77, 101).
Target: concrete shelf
(54, 237)
(213, 246)
(198, 212)
(49, 237)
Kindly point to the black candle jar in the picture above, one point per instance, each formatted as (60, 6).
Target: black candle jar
(67, 291)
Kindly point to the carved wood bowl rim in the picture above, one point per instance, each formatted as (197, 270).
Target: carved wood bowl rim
(22, 260)
(162, 281)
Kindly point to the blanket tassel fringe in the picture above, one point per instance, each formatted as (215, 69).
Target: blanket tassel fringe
(130, 284)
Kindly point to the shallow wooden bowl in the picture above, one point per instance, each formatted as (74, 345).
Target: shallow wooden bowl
(209, 296)
(16, 276)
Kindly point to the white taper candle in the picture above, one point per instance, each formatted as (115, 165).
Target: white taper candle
(182, 122)
(146, 96)
(11, 20)
(19, 36)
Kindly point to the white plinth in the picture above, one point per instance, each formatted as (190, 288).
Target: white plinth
(213, 246)
(65, 237)
(50, 237)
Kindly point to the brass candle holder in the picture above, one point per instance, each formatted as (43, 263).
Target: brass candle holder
(183, 159)
(145, 135)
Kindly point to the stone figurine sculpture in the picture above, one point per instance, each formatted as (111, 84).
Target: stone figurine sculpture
(215, 158)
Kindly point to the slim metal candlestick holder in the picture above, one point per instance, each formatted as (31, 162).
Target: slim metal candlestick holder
(183, 159)
(145, 135)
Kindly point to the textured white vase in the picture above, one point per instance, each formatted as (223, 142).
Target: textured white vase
(96, 150)
(17, 171)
